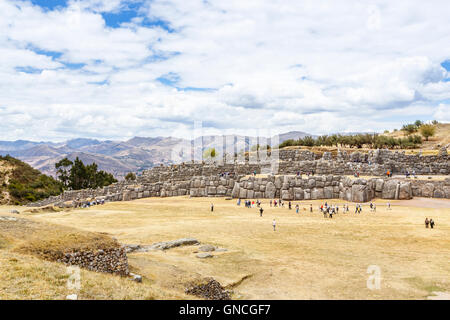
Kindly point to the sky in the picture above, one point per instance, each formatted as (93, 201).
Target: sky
(114, 69)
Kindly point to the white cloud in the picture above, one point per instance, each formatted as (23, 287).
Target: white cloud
(285, 65)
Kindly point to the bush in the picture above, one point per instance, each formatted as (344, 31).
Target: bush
(130, 176)
(409, 128)
(27, 184)
(427, 130)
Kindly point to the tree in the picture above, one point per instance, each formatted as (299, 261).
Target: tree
(209, 154)
(427, 130)
(81, 176)
(409, 128)
(62, 171)
(130, 176)
(418, 123)
(78, 175)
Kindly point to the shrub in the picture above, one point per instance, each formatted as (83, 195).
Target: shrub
(427, 130)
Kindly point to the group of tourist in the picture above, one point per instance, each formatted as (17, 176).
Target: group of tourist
(277, 203)
(249, 203)
(408, 174)
(327, 210)
(95, 202)
(226, 174)
(429, 223)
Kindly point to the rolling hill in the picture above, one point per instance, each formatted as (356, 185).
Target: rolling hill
(20, 183)
(120, 157)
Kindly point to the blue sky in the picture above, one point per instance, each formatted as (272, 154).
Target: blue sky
(113, 69)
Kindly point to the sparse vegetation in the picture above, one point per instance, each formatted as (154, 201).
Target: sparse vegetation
(210, 154)
(282, 260)
(427, 130)
(358, 141)
(410, 128)
(130, 176)
(76, 175)
(25, 184)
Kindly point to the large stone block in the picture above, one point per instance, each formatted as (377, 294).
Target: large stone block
(221, 190)
(359, 193)
(428, 190)
(286, 195)
(242, 193)
(270, 190)
(379, 183)
(317, 193)
(447, 192)
(236, 190)
(389, 189)
(278, 182)
(438, 193)
(307, 194)
(212, 190)
(405, 192)
(328, 192)
(298, 194)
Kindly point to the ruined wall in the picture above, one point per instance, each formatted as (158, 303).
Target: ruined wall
(209, 179)
(286, 187)
(376, 162)
(113, 261)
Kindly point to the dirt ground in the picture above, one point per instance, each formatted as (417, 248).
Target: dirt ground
(307, 257)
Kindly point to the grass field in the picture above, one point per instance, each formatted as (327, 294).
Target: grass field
(308, 257)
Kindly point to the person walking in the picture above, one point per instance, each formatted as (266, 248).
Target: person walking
(431, 223)
(261, 210)
(290, 205)
(212, 207)
(427, 222)
(271, 203)
(297, 208)
(274, 224)
(310, 208)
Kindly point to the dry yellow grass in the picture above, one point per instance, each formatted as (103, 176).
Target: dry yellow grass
(308, 257)
(428, 148)
(442, 138)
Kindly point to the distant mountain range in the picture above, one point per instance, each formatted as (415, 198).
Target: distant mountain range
(134, 155)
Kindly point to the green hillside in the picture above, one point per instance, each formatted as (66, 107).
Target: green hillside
(20, 183)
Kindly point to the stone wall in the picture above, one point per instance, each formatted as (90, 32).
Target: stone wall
(113, 261)
(286, 187)
(209, 179)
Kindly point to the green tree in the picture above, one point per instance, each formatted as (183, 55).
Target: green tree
(210, 154)
(418, 123)
(409, 128)
(78, 175)
(130, 176)
(427, 130)
(62, 171)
